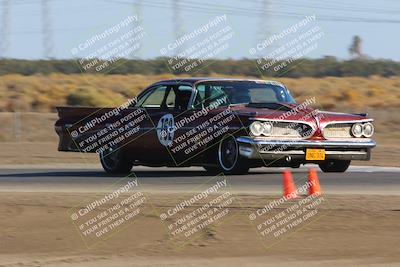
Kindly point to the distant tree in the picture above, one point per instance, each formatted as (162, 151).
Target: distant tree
(355, 48)
(306, 67)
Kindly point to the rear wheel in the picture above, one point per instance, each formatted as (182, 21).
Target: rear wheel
(335, 166)
(115, 162)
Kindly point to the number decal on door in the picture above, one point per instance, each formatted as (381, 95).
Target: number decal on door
(165, 129)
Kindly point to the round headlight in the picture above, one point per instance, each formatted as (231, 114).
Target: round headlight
(267, 128)
(357, 130)
(368, 129)
(256, 128)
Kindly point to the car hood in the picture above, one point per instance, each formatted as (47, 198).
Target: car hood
(295, 112)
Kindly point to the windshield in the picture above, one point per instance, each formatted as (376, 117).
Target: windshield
(241, 92)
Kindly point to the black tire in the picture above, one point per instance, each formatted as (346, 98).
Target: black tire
(228, 158)
(115, 162)
(335, 165)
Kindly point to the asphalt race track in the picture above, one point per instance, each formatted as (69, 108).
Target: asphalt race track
(83, 178)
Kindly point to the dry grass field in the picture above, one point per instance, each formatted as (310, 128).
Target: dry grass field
(28, 136)
(41, 93)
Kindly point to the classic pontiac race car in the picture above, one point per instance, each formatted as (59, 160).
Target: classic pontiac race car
(224, 125)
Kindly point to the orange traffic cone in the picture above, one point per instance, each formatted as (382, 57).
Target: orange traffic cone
(289, 189)
(315, 188)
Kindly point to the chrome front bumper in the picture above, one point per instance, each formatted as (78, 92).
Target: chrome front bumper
(272, 149)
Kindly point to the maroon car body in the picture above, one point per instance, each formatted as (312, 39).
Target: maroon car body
(227, 125)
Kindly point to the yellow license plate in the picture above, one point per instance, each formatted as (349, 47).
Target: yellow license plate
(315, 154)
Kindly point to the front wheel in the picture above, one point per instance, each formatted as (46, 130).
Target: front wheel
(115, 162)
(335, 166)
(229, 160)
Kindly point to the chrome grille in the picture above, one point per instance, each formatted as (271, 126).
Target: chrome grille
(291, 130)
(337, 130)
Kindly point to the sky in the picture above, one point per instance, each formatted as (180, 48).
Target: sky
(73, 22)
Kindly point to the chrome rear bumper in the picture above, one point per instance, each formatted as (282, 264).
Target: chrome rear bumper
(273, 149)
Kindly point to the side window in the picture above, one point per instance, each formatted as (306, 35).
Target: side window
(217, 93)
(180, 99)
(154, 98)
(200, 97)
(185, 88)
(207, 94)
(170, 102)
(184, 93)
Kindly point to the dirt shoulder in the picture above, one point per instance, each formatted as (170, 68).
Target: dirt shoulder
(37, 230)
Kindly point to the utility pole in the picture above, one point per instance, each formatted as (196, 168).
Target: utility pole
(138, 10)
(5, 29)
(47, 33)
(178, 24)
(266, 27)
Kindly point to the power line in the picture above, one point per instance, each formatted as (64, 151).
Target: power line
(343, 7)
(253, 12)
(331, 5)
(209, 8)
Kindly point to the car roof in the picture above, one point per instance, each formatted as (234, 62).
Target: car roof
(194, 80)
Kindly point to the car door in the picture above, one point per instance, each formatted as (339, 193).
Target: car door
(152, 143)
(166, 106)
(194, 131)
(198, 128)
